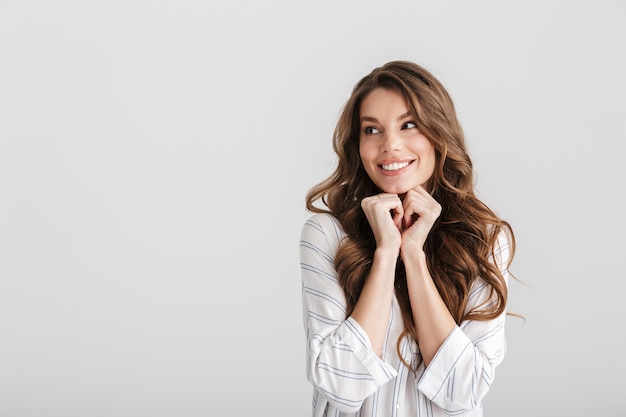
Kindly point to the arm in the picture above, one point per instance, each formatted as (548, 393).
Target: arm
(460, 360)
(373, 308)
(341, 363)
(433, 321)
(463, 368)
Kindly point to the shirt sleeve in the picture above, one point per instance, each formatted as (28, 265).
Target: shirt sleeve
(341, 363)
(463, 369)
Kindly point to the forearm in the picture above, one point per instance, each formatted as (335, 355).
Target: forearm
(373, 307)
(433, 321)
(336, 348)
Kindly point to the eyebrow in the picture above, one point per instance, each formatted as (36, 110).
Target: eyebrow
(374, 120)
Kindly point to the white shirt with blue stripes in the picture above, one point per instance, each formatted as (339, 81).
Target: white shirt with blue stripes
(349, 379)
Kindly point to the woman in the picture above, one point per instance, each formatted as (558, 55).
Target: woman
(405, 273)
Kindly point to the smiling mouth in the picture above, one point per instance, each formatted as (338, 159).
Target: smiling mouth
(394, 166)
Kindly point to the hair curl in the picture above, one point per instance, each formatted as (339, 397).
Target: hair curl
(461, 244)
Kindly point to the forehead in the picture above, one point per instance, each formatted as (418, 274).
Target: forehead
(382, 102)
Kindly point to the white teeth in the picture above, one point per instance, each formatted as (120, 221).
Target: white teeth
(395, 166)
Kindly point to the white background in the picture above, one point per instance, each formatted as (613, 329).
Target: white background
(154, 157)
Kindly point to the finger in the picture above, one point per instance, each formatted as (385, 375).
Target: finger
(421, 190)
(411, 205)
(387, 204)
(397, 215)
(426, 207)
(393, 205)
(418, 203)
(410, 216)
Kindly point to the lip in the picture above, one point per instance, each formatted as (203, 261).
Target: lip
(391, 161)
(397, 171)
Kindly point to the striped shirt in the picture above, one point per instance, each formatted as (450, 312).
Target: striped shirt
(349, 379)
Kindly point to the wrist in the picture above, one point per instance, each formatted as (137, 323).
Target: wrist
(385, 254)
(413, 255)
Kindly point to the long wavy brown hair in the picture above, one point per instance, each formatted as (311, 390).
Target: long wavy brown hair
(461, 244)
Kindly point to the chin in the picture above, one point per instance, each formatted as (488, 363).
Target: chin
(402, 189)
(396, 190)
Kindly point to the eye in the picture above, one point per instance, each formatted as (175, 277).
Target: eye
(369, 130)
(409, 125)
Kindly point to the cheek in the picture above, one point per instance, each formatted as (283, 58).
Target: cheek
(364, 153)
(432, 155)
(427, 150)
(427, 154)
(432, 161)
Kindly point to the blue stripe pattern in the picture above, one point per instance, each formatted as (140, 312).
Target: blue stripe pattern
(350, 380)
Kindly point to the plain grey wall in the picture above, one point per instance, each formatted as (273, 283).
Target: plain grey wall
(154, 158)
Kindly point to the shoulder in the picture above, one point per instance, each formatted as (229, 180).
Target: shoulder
(502, 248)
(323, 226)
(323, 220)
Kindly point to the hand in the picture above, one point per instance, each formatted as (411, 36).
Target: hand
(384, 213)
(421, 211)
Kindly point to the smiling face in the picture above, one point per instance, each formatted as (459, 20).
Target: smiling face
(395, 154)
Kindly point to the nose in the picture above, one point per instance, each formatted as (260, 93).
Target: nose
(391, 142)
